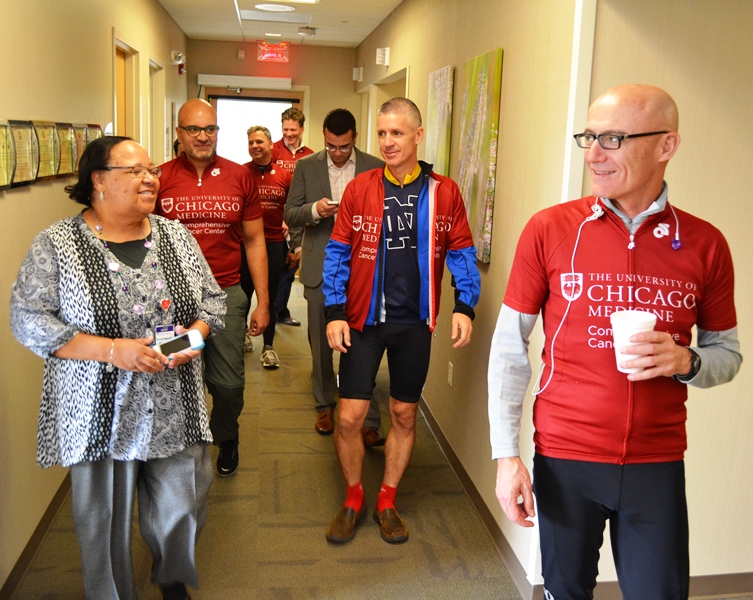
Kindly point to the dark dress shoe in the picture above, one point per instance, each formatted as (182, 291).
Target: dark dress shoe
(391, 526)
(175, 591)
(371, 437)
(325, 423)
(290, 321)
(343, 526)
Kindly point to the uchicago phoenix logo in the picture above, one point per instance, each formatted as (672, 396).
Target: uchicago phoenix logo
(571, 285)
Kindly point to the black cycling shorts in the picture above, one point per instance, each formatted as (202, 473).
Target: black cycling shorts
(648, 525)
(408, 352)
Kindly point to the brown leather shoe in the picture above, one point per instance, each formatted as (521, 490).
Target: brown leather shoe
(343, 526)
(371, 437)
(325, 424)
(391, 526)
(290, 321)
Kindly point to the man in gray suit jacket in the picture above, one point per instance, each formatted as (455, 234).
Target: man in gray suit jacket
(313, 200)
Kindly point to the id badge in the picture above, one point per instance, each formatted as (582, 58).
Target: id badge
(164, 333)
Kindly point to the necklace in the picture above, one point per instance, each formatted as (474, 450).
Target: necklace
(114, 266)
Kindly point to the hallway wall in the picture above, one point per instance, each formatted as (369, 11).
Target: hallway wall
(56, 63)
(701, 52)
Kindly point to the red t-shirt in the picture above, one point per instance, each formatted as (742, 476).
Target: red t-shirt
(273, 186)
(212, 208)
(590, 411)
(287, 159)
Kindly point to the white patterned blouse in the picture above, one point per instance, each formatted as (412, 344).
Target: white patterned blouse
(64, 287)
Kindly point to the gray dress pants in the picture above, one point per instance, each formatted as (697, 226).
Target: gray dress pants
(172, 496)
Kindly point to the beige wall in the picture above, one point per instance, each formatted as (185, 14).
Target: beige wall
(56, 62)
(701, 52)
(536, 38)
(328, 72)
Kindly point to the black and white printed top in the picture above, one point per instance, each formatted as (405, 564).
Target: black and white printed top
(65, 287)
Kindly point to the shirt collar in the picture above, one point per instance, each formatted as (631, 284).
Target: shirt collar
(656, 207)
(289, 147)
(352, 159)
(409, 178)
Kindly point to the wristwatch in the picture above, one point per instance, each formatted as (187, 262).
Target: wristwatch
(695, 366)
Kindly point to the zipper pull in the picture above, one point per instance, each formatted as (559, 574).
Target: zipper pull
(200, 186)
(631, 245)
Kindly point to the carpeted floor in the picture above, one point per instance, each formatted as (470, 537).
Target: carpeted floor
(264, 536)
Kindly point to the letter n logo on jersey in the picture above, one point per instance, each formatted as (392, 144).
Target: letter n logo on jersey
(166, 204)
(572, 285)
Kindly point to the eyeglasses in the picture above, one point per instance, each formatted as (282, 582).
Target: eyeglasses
(195, 131)
(137, 171)
(608, 141)
(343, 149)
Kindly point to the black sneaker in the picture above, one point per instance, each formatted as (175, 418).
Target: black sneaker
(227, 461)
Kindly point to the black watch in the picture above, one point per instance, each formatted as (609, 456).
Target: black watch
(695, 366)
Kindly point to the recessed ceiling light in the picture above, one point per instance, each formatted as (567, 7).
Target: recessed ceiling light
(274, 7)
(273, 34)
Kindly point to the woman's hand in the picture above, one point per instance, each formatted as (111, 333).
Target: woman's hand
(180, 358)
(138, 356)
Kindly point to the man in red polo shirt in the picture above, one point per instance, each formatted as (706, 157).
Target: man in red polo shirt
(272, 183)
(611, 445)
(218, 202)
(286, 152)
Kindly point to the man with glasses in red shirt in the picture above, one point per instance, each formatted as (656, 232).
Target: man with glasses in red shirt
(218, 202)
(611, 445)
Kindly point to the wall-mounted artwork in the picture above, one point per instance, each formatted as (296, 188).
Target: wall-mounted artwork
(439, 119)
(478, 146)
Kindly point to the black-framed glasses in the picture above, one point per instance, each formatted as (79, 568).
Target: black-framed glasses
(609, 141)
(137, 171)
(343, 149)
(195, 130)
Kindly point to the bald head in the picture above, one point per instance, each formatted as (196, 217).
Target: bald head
(644, 120)
(194, 107)
(199, 148)
(652, 106)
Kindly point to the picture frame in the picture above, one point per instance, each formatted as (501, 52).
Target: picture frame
(26, 153)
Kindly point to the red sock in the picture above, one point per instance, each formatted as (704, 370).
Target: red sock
(386, 498)
(354, 497)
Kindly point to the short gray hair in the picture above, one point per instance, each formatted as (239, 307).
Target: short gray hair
(255, 128)
(402, 106)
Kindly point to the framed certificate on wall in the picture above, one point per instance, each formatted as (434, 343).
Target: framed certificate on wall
(49, 149)
(26, 152)
(81, 141)
(68, 143)
(94, 132)
(7, 155)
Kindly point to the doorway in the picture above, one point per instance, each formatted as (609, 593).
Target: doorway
(237, 112)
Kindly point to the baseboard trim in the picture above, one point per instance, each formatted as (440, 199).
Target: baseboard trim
(703, 587)
(18, 572)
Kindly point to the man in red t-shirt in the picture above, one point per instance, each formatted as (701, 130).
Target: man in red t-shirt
(273, 183)
(286, 152)
(217, 201)
(611, 445)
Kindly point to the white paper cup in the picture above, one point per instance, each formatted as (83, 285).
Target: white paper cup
(624, 324)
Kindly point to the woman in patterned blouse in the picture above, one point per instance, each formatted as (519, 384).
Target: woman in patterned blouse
(90, 296)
